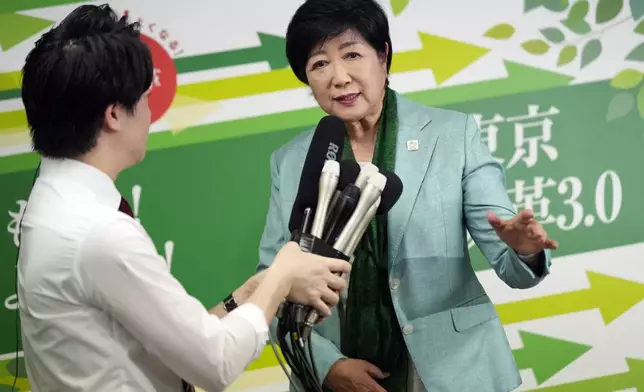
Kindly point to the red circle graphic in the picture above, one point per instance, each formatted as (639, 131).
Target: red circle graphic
(164, 83)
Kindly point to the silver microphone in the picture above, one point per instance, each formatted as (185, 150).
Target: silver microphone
(368, 197)
(328, 182)
(356, 236)
(366, 171)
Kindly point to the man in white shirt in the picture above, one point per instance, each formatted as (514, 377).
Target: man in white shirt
(99, 308)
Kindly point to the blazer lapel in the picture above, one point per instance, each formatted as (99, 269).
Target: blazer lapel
(411, 166)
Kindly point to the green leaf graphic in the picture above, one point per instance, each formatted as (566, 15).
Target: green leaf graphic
(636, 54)
(607, 10)
(529, 5)
(552, 5)
(500, 31)
(535, 46)
(553, 34)
(575, 21)
(621, 104)
(590, 52)
(566, 55)
(578, 11)
(578, 27)
(640, 101)
(398, 6)
(556, 5)
(626, 79)
(639, 29)
(637, 9)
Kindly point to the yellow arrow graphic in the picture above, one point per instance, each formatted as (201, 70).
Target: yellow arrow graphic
(10, 80)
(444, 56)
(240, 86)
(612, 296)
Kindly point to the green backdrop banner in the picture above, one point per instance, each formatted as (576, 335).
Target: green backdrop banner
(562, 116)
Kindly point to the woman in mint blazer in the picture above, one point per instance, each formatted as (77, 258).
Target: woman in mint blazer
(416, 317)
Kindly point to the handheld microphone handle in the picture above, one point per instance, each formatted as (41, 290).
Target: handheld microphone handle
(312, 244)
(328, 183)
(367, 198)
(361, 228)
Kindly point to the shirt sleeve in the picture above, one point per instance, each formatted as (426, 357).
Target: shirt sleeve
(122, 274)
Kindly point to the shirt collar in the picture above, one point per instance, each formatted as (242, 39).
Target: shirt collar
(86, 175)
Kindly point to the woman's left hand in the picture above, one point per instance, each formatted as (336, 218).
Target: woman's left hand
(522, 233)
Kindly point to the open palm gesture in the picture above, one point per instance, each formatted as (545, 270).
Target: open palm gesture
(522, 233)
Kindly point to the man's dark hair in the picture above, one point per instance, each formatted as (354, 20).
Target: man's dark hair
(91, 60)
(317, 21)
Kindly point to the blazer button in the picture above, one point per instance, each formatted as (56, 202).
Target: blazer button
(394, 284)
(408, 330)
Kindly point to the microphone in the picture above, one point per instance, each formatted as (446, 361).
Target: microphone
(368, 198)
(362, 227)
(371, 193)
(388, 198)
(344, 206)
(318, 181)
(366, 171)
(391, 193)
(349, 170)
(327, 185)
(358, 172)
(381, 192)
(326, 144)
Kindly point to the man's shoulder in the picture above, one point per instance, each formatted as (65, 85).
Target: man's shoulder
(112, 232)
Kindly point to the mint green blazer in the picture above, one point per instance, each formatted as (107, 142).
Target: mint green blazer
(451, 327)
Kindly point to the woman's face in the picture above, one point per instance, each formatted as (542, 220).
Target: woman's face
(347, 77)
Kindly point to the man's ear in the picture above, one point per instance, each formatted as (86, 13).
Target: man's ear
(113, 116)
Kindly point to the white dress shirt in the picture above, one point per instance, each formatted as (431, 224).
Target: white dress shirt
(99, 308)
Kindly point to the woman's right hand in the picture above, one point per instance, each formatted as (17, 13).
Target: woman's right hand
(314, 279)
(354, 375)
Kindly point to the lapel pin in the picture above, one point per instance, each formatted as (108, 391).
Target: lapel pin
(412, 145)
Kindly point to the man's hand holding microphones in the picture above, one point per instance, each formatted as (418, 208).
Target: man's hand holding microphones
(311, 279)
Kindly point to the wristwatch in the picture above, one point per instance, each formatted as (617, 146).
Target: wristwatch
(230, 303)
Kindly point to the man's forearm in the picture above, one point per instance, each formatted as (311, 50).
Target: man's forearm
(241, 295)
(272, 290)
(265, 290)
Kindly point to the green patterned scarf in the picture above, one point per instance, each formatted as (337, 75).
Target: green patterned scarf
(373, 333)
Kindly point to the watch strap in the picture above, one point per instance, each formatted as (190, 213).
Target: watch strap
(230, 303)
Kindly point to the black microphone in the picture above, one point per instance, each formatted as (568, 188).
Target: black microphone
(391, 193)
(349, 171)
(327, 144)
(342, 210)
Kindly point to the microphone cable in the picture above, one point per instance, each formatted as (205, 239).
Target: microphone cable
(297, 349)
(281, 362)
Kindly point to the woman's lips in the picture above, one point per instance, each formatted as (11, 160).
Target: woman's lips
(347, 99)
